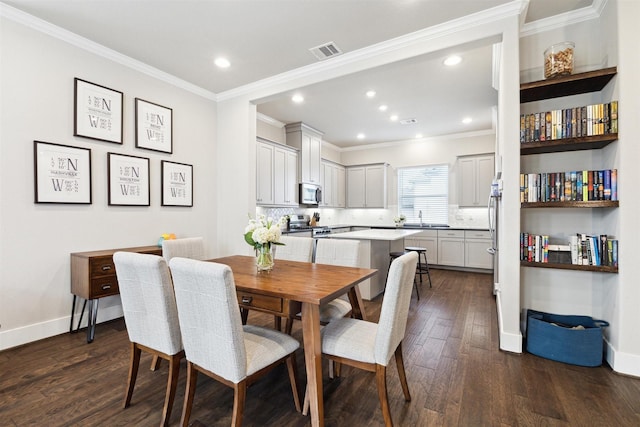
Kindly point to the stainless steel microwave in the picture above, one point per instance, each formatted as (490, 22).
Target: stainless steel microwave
(310, 194)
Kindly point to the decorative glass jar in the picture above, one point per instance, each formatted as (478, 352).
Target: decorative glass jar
(558, 60)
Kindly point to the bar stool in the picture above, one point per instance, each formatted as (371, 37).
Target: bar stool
(422, 268)
(394, 255)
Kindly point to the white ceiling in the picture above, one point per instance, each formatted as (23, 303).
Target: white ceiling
(265, 38)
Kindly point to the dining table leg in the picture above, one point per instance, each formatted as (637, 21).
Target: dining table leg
(313, 360)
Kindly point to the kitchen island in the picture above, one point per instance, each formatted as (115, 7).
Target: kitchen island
(376, 246)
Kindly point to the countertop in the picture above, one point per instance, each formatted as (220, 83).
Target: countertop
(390, 227)
(376, 234)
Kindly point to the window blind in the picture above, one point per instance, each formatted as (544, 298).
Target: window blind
(424, 189)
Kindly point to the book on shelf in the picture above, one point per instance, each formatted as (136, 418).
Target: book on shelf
(582, 249)
(576, 122)
(586, 185)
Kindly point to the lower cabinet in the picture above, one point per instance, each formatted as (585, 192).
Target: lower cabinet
(427, 239)
(475, 249)
(451, 247)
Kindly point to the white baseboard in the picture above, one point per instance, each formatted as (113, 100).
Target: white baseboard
(508, 341)
(622, 363)
(50, 328)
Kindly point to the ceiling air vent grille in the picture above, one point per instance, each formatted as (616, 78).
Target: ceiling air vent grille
(408, 121)
(326, 51)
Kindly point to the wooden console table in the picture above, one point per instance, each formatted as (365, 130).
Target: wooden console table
(93, 276)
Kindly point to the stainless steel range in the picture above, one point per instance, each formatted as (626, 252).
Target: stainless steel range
(302, 222)
(299, 222)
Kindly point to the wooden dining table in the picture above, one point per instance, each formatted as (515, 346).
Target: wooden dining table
(302, 286)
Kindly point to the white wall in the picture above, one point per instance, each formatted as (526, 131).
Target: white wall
(624, 352)
(37, 75)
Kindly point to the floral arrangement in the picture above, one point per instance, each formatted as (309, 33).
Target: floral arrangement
(399, 219)
(263, 231)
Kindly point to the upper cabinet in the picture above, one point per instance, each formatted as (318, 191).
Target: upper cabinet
(309, 141)
(475, 174)
(264, 173)
(332, 179)
(276, 175)
(367, 186)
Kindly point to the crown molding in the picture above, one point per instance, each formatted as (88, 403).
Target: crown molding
(421, 36)
(564, 19)
(98, 49)
(269, 120)
(419, 140)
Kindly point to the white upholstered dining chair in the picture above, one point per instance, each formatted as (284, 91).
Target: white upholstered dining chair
(292, 249)
(343, 252)
(187, 247)
(151, 318)
(370, 346)
(215, 341)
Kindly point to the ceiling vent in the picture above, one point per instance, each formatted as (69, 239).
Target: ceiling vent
(326, 51)
(408, 121)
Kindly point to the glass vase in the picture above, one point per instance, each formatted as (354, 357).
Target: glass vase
(264, 260)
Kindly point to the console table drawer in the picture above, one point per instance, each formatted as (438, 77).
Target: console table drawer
(259, 302)
(104, 286)
(102, 266)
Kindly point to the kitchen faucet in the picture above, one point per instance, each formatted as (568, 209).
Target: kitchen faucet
(420, 216)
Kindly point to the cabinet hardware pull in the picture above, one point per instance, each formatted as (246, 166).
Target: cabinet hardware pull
(106, 267)
(247, 300)
(105, 287)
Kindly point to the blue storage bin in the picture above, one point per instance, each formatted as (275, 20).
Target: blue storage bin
(552, 336)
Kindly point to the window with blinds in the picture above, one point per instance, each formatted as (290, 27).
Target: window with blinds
(424, 189)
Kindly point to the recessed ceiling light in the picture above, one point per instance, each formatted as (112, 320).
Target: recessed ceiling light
(297, 98)
(383, 107)
(393, 118)
(452, 60)
(361, 136)
(371, 93)
(222, 62)
(467, 120)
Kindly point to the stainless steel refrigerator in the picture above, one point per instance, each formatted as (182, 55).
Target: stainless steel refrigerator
(495, 194)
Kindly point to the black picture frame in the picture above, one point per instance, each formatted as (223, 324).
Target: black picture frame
(154, 126)
(62, 173)
(177, 184)
(98, 112)
(128, 180)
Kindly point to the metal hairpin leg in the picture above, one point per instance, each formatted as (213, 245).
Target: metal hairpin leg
(91, 318)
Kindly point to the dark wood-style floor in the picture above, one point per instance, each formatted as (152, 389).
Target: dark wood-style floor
(456, 374)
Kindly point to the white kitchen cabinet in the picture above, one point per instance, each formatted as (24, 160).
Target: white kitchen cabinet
(309, 141)
(451, 247)
(276, 175)
(367, 186)
(341, 187)
(475, 174)
(476, 243)
(333, 185)
(427, 239)
(285, 177)
(264, 173)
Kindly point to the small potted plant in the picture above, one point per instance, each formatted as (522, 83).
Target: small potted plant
(399, 220)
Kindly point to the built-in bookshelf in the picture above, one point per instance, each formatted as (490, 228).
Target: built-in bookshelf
(581, 83)
(584, 252)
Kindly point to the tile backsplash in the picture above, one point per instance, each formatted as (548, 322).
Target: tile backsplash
(458, 217)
